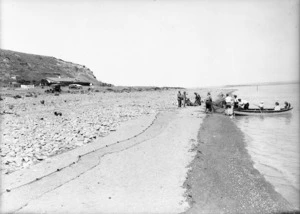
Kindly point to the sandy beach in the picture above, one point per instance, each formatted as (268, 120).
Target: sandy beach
(131, 152)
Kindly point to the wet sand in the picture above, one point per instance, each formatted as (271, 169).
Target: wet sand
(222, 178)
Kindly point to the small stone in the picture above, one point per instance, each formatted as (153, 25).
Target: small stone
(12, 154)
(26, 159)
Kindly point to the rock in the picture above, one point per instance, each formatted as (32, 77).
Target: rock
(19, 161)
(40, 157)
(17, 149)
(28, 95)
(27, 164)
(12, 154)
(17, 96)
(79, 143)
(57, 113)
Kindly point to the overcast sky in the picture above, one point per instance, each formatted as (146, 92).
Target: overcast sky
(162, 43)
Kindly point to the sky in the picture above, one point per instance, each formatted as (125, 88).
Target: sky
(161, 42)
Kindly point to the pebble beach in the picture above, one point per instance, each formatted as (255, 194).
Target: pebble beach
(32, 132)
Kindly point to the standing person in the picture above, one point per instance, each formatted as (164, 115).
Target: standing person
(236, 102)
(228, 105)
(197, 99)
(179, 98)
(223, 102)
(208, 103)
(184, 98)
(228, 101)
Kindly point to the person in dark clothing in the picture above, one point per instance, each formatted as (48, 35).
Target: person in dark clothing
(188, 102)
(179, 99)
(197, 100)
(208, 103)
(184, 99)
(287, 105)
(235, 102)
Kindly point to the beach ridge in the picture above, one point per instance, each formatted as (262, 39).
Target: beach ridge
(222, 178)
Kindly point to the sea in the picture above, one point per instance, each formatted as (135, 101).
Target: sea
(273, 141)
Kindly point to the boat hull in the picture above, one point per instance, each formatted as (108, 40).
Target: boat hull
(258, 112)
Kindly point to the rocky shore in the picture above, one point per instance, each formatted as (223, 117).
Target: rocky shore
(35, 128)
(36, 125)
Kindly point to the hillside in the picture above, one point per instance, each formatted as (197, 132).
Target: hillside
(23, 67)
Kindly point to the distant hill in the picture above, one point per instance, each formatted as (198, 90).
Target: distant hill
(23, 67)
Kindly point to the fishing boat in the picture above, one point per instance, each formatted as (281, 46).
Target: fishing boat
(261, 112)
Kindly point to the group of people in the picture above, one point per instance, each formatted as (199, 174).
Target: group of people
(226, 103)
(183, 100)
(229, 103)
(277, 107)
(235, 102)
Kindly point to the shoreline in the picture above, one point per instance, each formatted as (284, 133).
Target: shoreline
(222, 178)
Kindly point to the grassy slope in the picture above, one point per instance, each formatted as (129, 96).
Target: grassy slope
(35, 67)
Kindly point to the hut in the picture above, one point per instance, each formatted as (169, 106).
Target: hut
(15, 84)
(62, 81)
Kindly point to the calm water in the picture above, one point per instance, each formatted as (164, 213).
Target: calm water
(273, 141)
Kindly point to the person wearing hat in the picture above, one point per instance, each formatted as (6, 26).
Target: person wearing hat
(261, 105)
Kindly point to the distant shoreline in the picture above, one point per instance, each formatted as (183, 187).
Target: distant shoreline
(261, 84)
